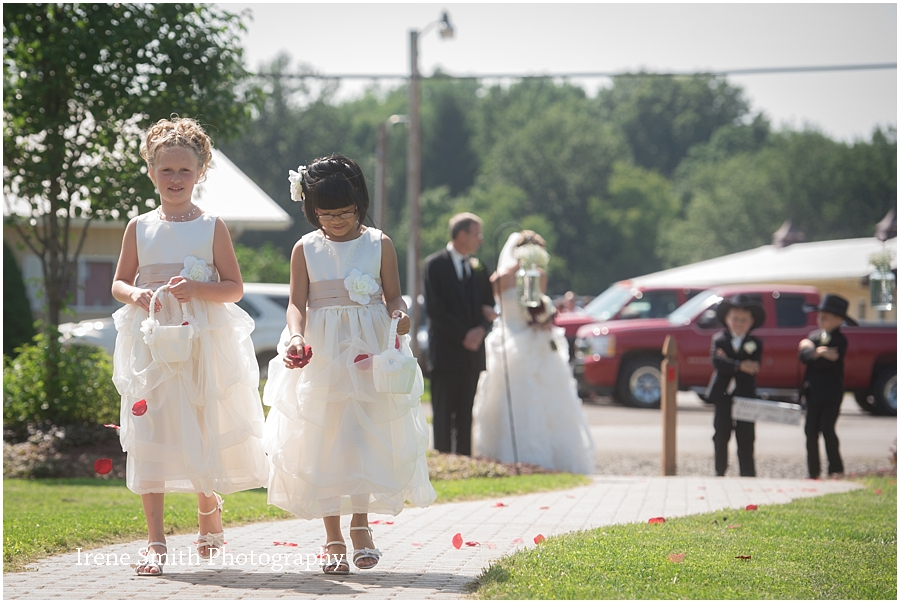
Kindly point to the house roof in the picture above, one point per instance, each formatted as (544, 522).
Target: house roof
(227, 192)
(844, 258)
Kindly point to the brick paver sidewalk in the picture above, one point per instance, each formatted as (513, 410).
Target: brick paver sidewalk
(419, 560)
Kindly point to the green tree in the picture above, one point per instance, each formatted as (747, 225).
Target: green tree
(265, 264)
(662, 117)
(447, 154)
(81, 81)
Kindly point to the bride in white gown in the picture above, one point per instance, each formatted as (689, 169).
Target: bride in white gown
(549, 423)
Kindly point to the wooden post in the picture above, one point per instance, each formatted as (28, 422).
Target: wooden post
(668, 393)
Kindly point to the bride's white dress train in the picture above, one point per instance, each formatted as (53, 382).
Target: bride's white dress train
(550, 426)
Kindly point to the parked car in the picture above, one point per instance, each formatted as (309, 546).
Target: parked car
(621, 301)
(265, 303)
(623, 358)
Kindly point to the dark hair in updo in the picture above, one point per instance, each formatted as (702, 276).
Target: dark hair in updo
(334, 182)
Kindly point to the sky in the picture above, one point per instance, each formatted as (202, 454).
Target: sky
(545, 38)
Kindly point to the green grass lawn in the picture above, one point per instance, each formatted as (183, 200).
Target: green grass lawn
(51, 516)
(837, 546)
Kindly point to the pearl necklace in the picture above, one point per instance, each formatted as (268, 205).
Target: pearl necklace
(181, 218)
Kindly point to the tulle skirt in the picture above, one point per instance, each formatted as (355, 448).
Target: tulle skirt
(203, 424)
(336, 446)
(550, 426)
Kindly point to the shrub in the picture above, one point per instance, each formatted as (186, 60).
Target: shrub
(265, 264)
(81, 387)
(18, 322)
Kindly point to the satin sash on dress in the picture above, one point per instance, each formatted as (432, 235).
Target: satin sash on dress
(153, 276)
(333, 293)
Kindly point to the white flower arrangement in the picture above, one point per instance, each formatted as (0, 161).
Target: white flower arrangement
(531, 255)
(360, 286)
(750, 347)
(196, 270)
(296, 179)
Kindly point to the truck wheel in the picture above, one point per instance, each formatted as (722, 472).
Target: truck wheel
(866, 401)
(639, 383)
(884, 387)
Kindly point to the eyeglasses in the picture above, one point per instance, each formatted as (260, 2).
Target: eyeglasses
(330, 217)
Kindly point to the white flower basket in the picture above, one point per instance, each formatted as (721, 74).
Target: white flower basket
(393, 372)
(168, 344)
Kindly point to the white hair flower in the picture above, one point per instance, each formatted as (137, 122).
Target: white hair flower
(196, 270)
(296, 179)
(360, 286)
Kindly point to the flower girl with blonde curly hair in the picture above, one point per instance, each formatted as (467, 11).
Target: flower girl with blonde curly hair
(191, 419)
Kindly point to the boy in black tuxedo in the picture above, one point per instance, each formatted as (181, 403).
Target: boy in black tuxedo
(457, 296)
(823, 354)
(736, 357)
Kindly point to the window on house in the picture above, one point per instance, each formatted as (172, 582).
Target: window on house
(98, 283)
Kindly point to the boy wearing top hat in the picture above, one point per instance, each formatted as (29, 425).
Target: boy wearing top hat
(736, 357)
(823, 354)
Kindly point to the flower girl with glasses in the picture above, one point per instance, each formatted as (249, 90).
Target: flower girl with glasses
(337, 445)
(191, 419)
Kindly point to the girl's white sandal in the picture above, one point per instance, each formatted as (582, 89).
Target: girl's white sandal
(151, 560)
(214, 540)
(334, 563)
(365, 553)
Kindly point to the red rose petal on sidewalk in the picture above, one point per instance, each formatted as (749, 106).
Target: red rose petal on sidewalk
(517, 541)
(676, 557)
(539, 539)
(388, 523)
(103, 466)
(490, 545)
(751, 508)
(416, 543)
(500, 504)
(657, 520)
(457, 541)
(374, 521)
(139, 408)
(543, 508)
(473, 543)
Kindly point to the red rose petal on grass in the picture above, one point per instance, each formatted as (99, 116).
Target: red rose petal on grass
(111, 425)
(139, 408)
(751, 508)
(103, 466)
(500, 504)
(539, 539)
(676, 557)
(457, 541)
(744, 557)
(473, 543)
(657, 520)
(734, 527)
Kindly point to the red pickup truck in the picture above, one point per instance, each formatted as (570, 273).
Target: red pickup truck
(623, 358)
(624, 300)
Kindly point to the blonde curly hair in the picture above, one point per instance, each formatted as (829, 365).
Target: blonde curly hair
(178, 132)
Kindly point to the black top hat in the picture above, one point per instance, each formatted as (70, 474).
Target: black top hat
(837, 305)
(744, 301)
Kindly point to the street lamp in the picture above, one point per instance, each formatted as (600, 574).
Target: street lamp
(414, 170)
(379, 209)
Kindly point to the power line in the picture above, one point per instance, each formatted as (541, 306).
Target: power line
(588, 74)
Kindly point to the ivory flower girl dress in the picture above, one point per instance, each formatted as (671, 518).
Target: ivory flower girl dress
(336, 445)
(196, 425)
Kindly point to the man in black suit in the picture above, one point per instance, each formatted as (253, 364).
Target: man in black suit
(459, 301)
